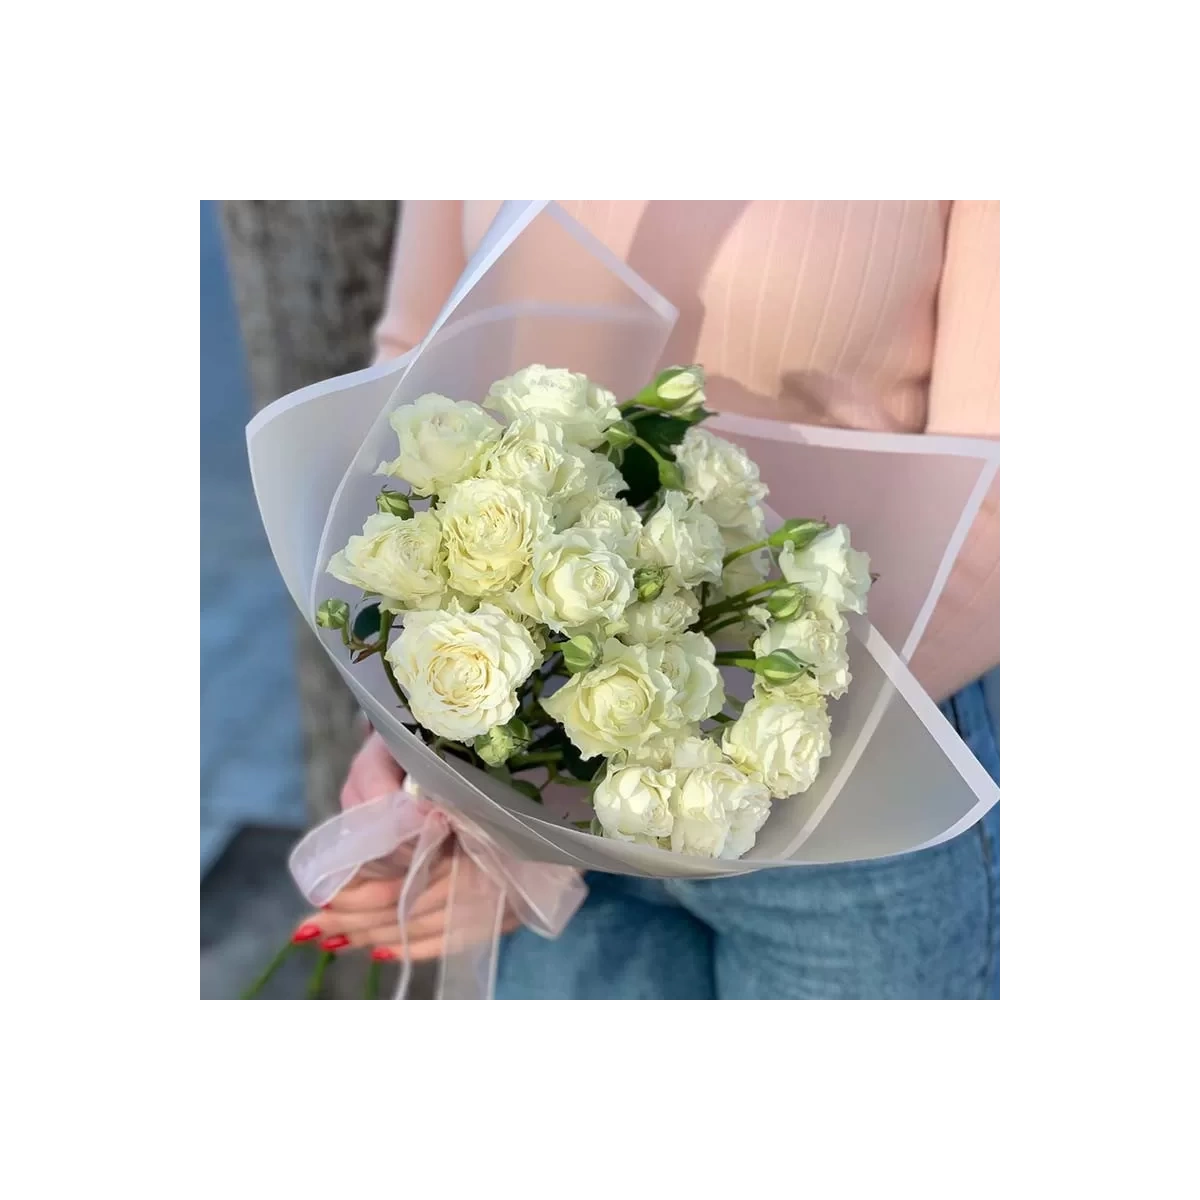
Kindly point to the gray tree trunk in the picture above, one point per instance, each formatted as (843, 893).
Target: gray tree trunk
(310, 279)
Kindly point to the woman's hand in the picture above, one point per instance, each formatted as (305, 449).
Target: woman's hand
(363, 913)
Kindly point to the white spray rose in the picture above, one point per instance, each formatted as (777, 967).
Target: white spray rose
(754, 807)
(577, 580)
(401, 560)
(687, 661)
(598, 480)
(615, 521)
(678, 746)
(813, 639)
(725, 481)
(709, 799)
(701, 822)
(779, 743)
(582, 409)
(490, 531)
(633, 803)
(441, 442)
(693, 751)
(685, 540)
(837, 576)
(617, 705)
(532, 454)
(461, 670)
(667, 615)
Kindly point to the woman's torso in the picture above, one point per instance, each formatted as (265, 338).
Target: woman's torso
(820, 311)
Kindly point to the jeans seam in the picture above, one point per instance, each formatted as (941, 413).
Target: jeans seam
(985, 847)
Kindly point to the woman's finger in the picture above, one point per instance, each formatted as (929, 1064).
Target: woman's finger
(423, 949)
(431, 926)
(373, 773)
(365, 895)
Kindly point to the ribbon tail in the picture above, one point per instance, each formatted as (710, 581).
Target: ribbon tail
(474, 918)
(434, 832)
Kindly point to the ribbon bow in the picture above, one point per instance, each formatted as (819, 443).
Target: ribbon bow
(484, 878)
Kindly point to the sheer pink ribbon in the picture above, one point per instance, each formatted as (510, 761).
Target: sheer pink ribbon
(483, 879)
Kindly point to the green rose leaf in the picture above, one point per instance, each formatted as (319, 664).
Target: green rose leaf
(366, 623)
(663, 432)
(641, 476)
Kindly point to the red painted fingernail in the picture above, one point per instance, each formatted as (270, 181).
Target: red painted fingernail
(336, 942)
(382, 954)
(326, 907)
(306, 933)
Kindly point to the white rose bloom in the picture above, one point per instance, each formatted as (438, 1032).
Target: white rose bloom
(837, 576)
(701, 822)
(687, 661)
(633, 803)
(814, 640)
(709, 800)
(685, 540)
(532, 454)
(401, 560)
(616, 706)
(441, 442)
(779, 742)
(596, 479)
(677, 747)
(582, 409)
(615, 521)
(490, 531)
(461, 670)
(747, 819)
(672, 611)
(693, 751)
(577, 580)
(723, 478)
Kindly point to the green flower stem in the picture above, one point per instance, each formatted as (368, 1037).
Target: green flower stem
(740, 600)
(261, 982)
(317, 978)
(736, 658)
(372, 988)
(654, 454)
(735, 554)
(387, 620)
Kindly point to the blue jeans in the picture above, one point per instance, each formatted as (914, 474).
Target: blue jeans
(919, 926)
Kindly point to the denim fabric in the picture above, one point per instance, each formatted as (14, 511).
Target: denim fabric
(918, 926)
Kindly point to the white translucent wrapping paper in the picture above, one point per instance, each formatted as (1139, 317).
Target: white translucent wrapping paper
(899, 777)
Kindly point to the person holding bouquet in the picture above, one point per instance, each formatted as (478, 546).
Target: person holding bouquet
(863, 314)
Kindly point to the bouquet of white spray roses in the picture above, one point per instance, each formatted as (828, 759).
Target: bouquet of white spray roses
(545, 593)
(496, 605)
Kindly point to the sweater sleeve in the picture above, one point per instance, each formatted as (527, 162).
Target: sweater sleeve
(963, 637)
(427, 260)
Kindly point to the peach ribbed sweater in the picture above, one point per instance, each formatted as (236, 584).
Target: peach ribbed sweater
(862, 314)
